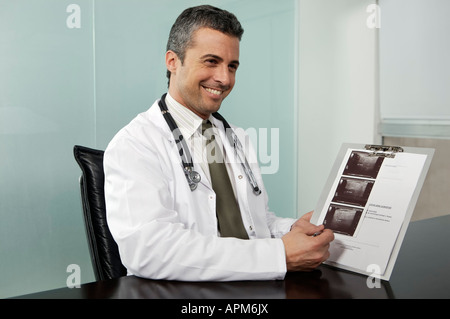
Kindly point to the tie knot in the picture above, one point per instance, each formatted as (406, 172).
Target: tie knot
(206, 125)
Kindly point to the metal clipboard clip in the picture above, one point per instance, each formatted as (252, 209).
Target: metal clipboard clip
(383, 150)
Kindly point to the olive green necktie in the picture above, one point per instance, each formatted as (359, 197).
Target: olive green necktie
(228, 214)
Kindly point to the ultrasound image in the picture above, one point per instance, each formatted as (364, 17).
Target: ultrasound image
(362, 164)
(353, 191)
(342, 219)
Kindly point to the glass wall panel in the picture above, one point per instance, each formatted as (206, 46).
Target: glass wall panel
(46, 106)
(75, 72)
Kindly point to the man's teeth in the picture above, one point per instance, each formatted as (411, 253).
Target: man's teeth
(216, 92)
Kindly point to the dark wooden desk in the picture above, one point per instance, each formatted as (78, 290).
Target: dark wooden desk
(421, 271)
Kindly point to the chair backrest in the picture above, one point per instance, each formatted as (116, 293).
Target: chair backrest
(102, 247)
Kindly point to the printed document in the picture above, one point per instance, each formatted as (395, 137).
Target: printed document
(371, 198)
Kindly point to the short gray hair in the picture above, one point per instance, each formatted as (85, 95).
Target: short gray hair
(192, 19)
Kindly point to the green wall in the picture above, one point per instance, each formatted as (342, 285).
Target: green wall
(77, 74)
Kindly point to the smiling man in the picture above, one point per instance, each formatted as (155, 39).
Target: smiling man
(207, 75)
(175, 214)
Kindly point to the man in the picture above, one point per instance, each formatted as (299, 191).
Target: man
(164, 229)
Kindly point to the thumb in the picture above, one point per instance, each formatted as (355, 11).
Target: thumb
(316, 229)
(306, 227)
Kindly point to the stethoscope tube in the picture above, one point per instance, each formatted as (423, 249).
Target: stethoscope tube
(193, 177)
(234, 141)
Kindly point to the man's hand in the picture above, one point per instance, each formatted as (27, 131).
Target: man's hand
(305, 252)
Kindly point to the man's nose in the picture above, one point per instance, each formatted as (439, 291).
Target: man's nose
(223, 76)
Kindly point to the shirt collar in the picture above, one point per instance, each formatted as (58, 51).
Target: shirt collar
(187, 121)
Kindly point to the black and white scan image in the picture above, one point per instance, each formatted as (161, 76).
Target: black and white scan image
(343, 220)
(363, 164)
(353, 191)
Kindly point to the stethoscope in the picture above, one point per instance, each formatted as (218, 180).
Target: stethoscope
(192, 176)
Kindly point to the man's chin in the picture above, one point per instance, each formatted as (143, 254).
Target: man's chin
(212, 107)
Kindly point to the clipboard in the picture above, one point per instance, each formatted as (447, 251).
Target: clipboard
(368, 200)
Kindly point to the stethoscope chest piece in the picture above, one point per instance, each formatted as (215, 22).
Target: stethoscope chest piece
(193, 178)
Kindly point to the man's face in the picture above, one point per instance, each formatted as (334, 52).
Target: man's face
(208, 73)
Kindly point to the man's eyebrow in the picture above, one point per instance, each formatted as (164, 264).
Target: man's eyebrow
(217, 58)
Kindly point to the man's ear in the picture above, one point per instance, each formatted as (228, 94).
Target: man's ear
(172, 61)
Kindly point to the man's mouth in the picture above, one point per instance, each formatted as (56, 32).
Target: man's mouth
(213, 91)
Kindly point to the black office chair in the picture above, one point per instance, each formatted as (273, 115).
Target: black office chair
(102, 247)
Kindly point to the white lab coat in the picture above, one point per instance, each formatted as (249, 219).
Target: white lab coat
(166, 231)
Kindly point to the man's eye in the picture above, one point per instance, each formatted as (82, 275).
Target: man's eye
(211, 61)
